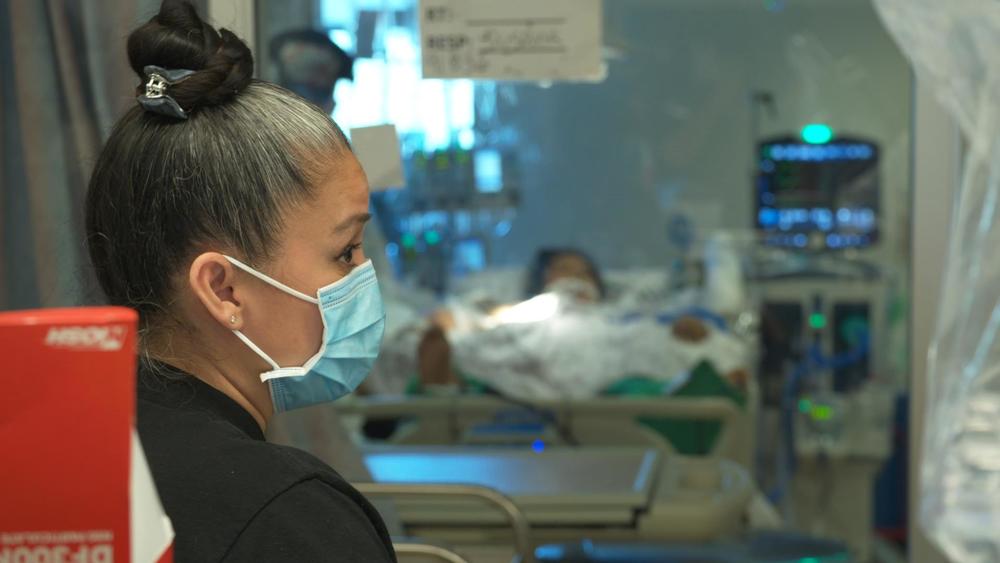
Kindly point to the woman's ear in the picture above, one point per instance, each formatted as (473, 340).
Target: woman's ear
(212, 278)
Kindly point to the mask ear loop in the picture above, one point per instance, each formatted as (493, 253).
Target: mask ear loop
(277, 370)
(271, 281)
(257, 349)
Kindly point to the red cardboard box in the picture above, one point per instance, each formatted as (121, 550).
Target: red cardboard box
(74, 485)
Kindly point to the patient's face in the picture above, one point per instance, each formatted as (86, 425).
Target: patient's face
(569, 266)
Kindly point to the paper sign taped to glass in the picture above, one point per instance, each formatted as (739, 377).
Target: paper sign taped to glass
(377, 149)
(75, 484)
(554, 40)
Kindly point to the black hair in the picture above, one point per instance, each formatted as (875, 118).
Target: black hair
(535, 283)
(312, 37)
(164, 189)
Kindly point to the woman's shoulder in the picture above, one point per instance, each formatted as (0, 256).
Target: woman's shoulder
(217, 483)
(199, 451)
(303, 510)
(314, 520)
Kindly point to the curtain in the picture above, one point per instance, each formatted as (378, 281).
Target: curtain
(954, 47)
(64, 79)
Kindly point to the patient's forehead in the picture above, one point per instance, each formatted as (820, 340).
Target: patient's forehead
(568, 261)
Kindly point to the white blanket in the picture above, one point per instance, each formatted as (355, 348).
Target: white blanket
(581, 350)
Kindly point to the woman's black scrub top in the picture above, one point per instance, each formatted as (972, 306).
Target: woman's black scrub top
(231, 496)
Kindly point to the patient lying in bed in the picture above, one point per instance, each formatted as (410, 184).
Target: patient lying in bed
(564, 341)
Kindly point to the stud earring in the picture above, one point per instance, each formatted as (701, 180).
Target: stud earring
(232, 320)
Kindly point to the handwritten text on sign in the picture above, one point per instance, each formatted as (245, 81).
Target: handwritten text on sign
(511, 39)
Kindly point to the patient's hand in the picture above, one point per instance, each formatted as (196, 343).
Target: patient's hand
(739, 378)
(434, 359)
(690, 329)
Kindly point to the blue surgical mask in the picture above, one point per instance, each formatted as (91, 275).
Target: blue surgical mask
(353, 325)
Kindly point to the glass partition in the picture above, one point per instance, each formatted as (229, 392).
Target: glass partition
(725, 214)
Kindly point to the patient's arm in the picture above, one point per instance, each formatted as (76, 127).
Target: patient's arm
(434, 359)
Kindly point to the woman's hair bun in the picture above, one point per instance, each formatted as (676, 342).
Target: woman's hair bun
(177, 38)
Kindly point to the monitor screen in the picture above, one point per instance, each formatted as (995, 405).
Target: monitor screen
(469, 256)
(818, 196)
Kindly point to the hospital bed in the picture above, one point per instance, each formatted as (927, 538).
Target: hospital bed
(609, 421)
(621, 485)
(603, 494)
(584, 503)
